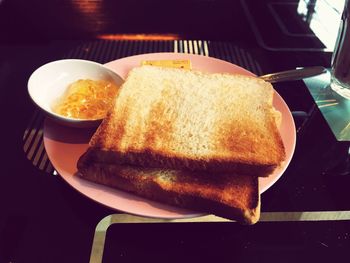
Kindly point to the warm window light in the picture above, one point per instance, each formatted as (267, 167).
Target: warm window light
(91, 14)
(88, 6)
(139, 37)
(323, 17)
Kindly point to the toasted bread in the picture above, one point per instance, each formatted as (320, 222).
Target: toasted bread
(233, 197)
(183, 119)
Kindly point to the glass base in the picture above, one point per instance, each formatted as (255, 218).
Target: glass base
(342, 90)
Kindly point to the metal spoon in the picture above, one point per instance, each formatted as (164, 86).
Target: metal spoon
(295, 74)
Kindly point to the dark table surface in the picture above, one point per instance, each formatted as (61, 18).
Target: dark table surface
(305, 215)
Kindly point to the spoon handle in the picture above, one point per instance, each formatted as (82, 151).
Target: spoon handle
(295, 74)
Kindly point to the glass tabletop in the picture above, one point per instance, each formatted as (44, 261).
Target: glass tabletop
(334, 108)
(43, 219)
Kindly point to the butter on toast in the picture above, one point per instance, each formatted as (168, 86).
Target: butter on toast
(233, 197)
(185, 119)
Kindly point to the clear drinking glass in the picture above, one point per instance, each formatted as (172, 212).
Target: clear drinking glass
(340, 72)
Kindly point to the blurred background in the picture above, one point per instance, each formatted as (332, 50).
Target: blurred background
(298, 24)
(283, 33)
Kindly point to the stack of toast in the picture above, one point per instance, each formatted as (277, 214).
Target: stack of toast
(190, 139)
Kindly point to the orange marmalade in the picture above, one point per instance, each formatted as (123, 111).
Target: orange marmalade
(86, 99)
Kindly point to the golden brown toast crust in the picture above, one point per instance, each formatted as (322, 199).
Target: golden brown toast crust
(233, 197)
(188, 127)
(149, 159)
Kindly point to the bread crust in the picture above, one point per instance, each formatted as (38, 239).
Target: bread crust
(149, 158)
(233, 197)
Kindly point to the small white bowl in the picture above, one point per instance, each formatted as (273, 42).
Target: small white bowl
(49, 82)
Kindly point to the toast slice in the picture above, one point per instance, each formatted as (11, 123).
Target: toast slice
(233, 197)
(184, 119)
